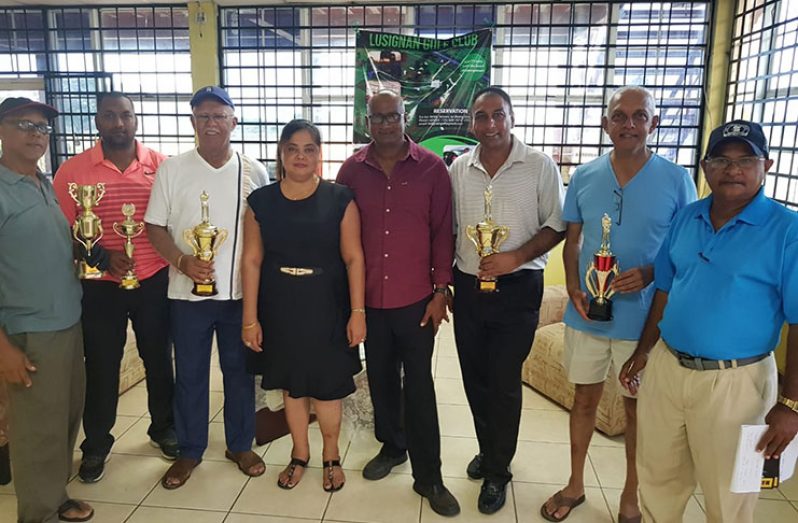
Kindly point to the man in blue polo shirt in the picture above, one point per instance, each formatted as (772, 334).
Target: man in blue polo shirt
(41, 341)
(641, 192)
(726, 280)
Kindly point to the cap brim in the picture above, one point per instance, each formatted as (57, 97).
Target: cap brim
(737, 139)
(48, 110)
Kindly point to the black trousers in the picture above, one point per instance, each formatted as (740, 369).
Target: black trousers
(494, 333)
(405, 413)
(106, 309)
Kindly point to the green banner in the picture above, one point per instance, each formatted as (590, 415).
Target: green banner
(437, 79)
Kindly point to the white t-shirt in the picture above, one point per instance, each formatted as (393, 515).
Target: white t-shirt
(175, 204)
(527, 195)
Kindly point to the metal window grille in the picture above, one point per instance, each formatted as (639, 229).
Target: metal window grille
(560, 61)
(78, 52)
(763, 85)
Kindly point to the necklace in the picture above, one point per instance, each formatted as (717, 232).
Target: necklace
(302, 195)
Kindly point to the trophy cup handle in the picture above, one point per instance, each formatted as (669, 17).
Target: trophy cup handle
(501, 234)
(218, 241)
(76, 235)
(471, 234)
(72, 188)
(115, 226)
(139, 230)
(591, 287)
(615, 272)
(100, 192)
(188, 237)
(99, 232)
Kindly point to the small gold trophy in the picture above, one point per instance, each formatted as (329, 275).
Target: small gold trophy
(87, 229)
(129, 229)
(487, 237)
(205, 240)
(601, 272)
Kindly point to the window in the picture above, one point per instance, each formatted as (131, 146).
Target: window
(763, 85)
(560, 61)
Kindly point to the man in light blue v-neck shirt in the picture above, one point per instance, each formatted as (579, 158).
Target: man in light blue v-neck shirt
(640, 191)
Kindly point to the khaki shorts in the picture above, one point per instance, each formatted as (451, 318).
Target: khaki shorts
(588, 358)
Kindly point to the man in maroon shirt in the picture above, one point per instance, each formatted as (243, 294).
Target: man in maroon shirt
(404, 195)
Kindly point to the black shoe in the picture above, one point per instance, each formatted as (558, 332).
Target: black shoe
(440, 499)
(168, 446)
(381, 465)
(491, 497)
(474, 468)
(92, 468)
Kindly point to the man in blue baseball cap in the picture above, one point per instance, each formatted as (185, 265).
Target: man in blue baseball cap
(726, 280)
(228, 178)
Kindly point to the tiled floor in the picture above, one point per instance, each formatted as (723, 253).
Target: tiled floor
(217, 492)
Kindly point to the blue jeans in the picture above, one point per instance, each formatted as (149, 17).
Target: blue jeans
(193, 326)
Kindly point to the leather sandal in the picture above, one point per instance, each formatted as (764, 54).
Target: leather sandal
(246, 461)
(561, 501)
(74, 504)
(177, 475)
(291, 468)
(329, 467)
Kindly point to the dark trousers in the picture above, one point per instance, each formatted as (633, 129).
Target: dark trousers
(106, 309)
(193, 327)
(494, 333)
(405, 414)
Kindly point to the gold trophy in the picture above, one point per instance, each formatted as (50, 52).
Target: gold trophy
(205, 240)
(87, 229)
(487, 237)
(601, 272)
(129, 229)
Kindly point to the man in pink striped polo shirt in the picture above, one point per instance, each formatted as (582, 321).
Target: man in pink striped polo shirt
(127, 168)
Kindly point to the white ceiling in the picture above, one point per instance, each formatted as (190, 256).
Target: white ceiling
(79, 3)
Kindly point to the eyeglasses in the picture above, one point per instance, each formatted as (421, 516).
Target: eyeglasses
(638, 118)
(30, 127)
(217, 118)
(721, 163)
(379, 119)
(618, 204)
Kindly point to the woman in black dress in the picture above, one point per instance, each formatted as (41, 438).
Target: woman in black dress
(304, 283)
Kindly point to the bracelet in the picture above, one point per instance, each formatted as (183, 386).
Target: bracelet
(442, 290)
(789, 403)
(249, 325)
(359, 310)
(179, 259)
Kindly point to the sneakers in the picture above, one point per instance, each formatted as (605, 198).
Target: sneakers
(381, 465)
(440, 499)
(474, 469)
(168, 446)
(491, 497)
(92, 468)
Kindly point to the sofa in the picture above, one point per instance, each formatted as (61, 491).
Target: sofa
(543, 369)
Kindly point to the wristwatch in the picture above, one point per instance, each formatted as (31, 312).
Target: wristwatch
(789, 403)
(443, 290)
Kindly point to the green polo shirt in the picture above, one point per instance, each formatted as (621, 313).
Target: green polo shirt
(39, 289)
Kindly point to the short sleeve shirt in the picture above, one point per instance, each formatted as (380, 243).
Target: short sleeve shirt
(641, 213)
(175, 204)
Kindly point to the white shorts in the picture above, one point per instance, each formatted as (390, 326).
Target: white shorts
(588, 358)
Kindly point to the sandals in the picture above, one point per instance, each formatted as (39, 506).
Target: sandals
(74, 504)
(561, 501)
(291, 468)
(179, 472)
(329, 467)
(246, 462)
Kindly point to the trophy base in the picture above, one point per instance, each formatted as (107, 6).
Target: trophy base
(487, 286)
(87, 272)
(600, 310)
(129, 282)
(204, 289)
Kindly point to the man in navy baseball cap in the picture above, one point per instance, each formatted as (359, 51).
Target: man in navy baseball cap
(211, 92)
(742, 131)
(14, 105)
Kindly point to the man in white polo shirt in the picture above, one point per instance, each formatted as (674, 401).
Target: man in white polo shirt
(494, 330)
(228, 178)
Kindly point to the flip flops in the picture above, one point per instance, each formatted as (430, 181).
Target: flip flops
(246, 461)
(291, 468)
(329, 467)
(74, 504)
(177, 475)
(561, 501)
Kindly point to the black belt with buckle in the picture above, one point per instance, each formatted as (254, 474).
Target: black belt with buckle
(691, 362)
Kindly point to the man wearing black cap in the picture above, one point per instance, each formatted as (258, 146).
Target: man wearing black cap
(727, 280)
(175, 206)
(41, 342)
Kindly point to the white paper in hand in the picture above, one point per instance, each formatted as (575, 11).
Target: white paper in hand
(748, 463)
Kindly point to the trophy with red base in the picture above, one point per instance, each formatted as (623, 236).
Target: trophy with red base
(601, 272)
